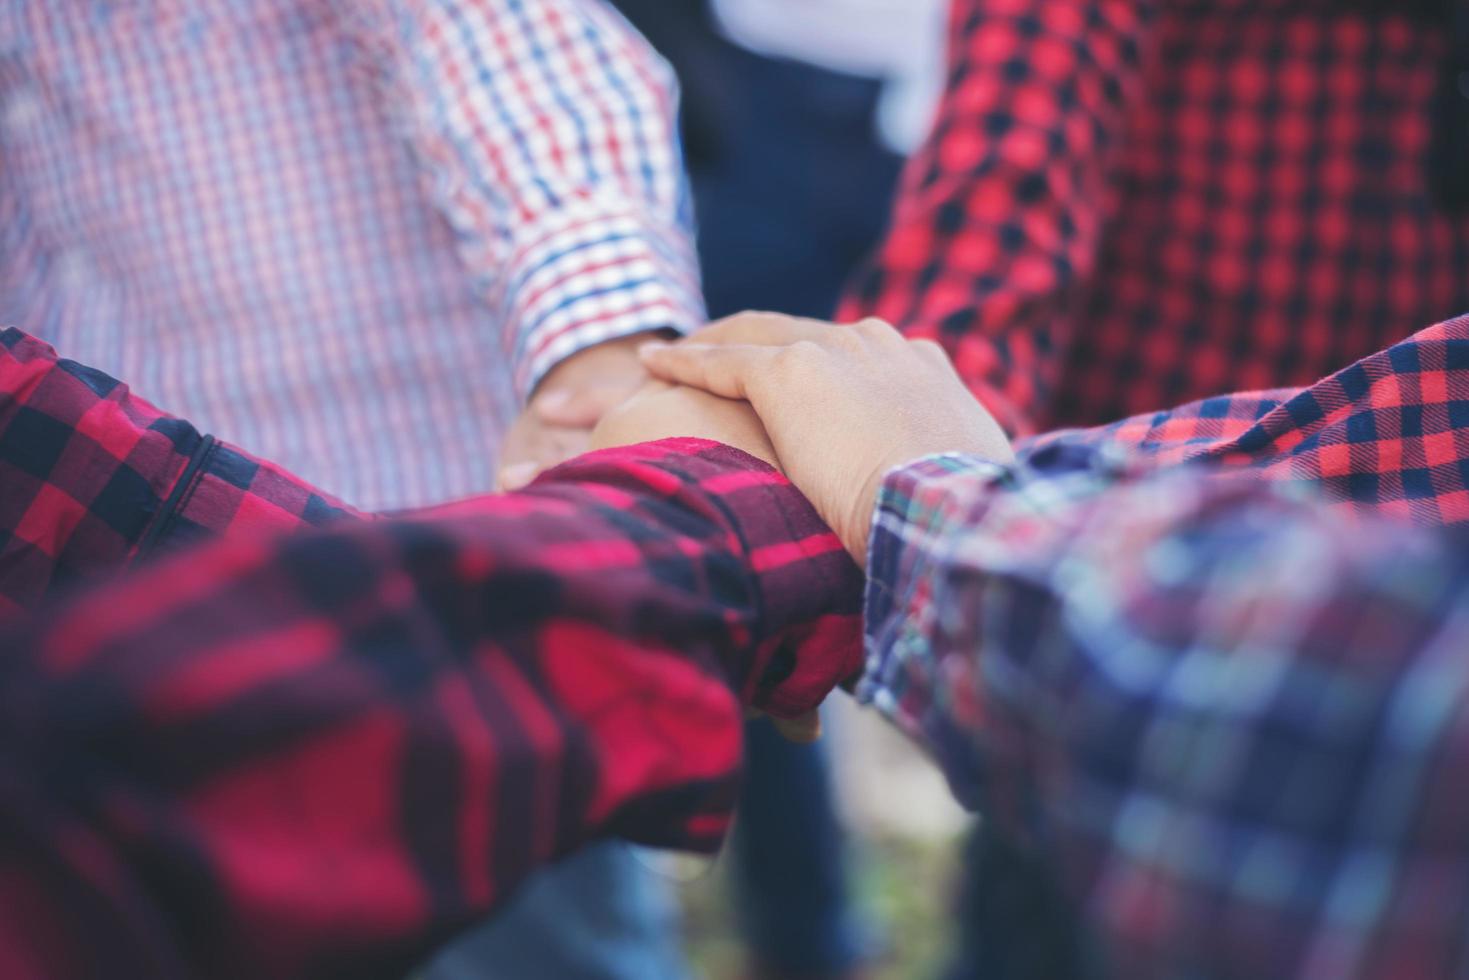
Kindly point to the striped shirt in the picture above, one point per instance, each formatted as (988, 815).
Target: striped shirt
(350, 235)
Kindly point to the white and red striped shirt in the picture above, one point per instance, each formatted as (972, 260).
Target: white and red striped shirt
(348, 234)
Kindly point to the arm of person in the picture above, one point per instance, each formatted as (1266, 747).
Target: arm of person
(1227, 719)
(1388, 434)
(547, 133)
(322, 754)
(998, 217)
(95, 478)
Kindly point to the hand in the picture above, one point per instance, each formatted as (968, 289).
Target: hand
(664, 411)
(842, 404)
(572, 398)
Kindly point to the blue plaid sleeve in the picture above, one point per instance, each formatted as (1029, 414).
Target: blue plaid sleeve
(1230, 722)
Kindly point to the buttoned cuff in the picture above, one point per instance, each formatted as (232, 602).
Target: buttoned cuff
(587, 274)
(922, 508)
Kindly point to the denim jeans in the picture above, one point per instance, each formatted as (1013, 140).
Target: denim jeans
(601, 914)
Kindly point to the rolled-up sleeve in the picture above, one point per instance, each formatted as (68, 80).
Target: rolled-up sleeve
(547, 136)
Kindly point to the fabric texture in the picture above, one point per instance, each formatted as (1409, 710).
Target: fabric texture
(1220, 721)
(1130, 204)
(321, 754)
(96, 478)
(350, 235)
(1225, 719)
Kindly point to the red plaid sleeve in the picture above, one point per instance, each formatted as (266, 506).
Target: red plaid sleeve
(320, 754)
(95, 477)
(1000, 213)
(1388, 434)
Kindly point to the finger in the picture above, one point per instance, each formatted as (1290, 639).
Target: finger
(763, 329)
(580, 409)
(931, 351)
(725, 371)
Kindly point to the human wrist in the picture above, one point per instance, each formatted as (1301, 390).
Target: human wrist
(617, 356)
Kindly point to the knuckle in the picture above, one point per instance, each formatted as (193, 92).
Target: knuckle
(797, 358)
(930, 349)
(874, 329)
(849, 339)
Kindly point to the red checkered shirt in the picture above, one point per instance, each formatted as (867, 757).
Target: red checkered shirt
(321, 754)
(1127, 205)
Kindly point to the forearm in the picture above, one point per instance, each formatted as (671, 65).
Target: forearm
(322, 754)
(1182, 691)
(96, 478)
(1385, 435)
(999, 215)
(548, 138)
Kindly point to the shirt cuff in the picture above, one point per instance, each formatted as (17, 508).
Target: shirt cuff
(587, 274)
(922, 508)
(803, 634)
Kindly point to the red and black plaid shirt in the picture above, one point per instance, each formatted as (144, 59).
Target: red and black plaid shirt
(1129, 204)
(321, 754)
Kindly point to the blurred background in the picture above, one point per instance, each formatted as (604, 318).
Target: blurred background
(906, 836)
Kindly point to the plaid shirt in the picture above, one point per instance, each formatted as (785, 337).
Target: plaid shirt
(202, 784)
(95, 478)
(322, 754)
(350, 234)
(1228, 722)
(1129, 204)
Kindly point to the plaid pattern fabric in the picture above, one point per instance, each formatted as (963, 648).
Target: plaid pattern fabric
(1226, 721)
(1387, 435)
(321, 754)
(93, 477)
(1128, 205)
(350, 234)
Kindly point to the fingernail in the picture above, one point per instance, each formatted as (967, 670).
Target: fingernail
(652, 347)
(516, 476)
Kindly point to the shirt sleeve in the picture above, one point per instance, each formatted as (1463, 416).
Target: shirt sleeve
(999, 214)
(1229, 723)
(321, 754)
(547, 135)
(1388, 434)
(95, 478)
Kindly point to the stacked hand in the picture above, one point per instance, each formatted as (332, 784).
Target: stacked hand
(835, 407)
(572, 398)
(840, 406)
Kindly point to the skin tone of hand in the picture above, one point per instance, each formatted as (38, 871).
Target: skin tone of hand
(842, 405)
(663, 411)
(573, 396)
